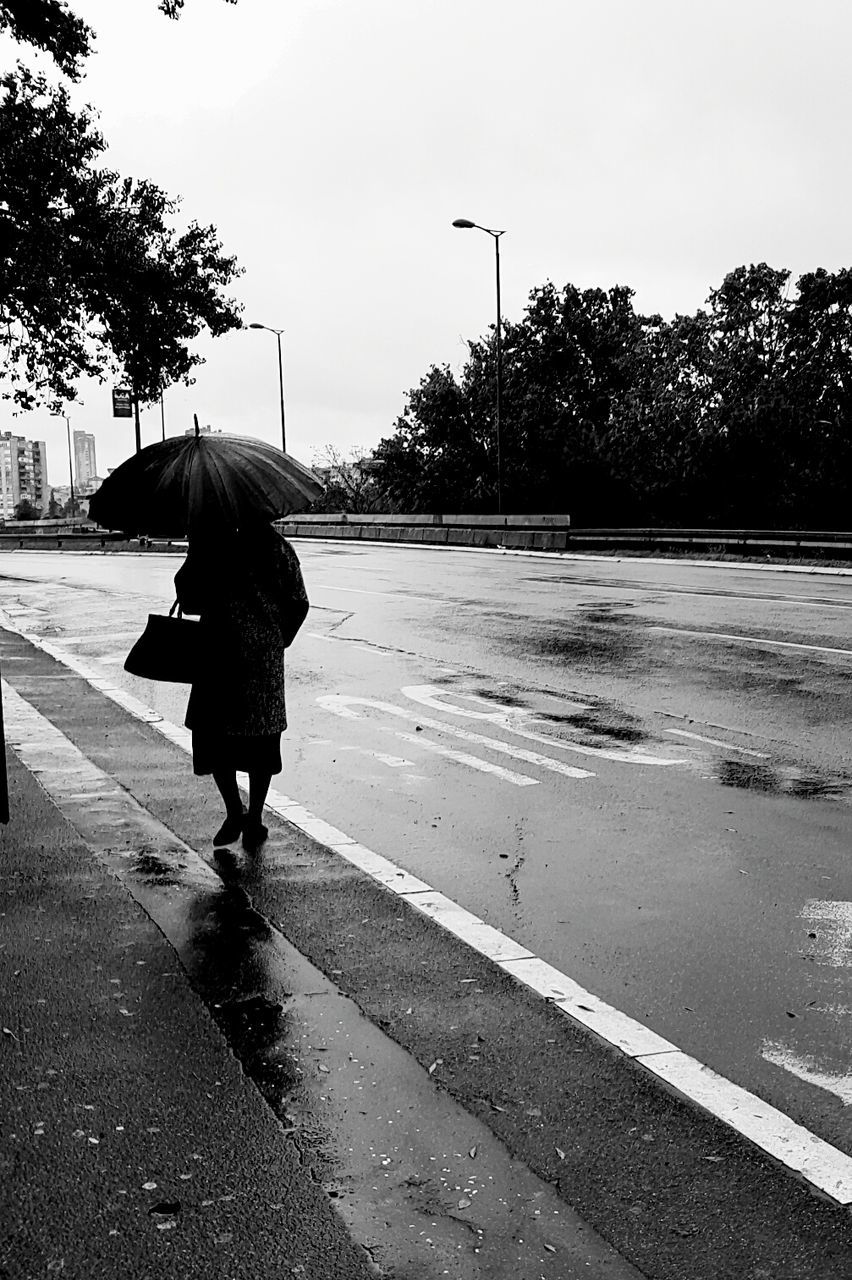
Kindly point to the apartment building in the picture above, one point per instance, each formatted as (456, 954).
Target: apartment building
(23, 473)
(85, 464)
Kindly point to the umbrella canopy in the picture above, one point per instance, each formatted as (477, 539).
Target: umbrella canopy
(190, 482)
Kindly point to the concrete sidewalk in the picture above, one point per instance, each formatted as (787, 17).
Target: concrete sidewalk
(132, 1145)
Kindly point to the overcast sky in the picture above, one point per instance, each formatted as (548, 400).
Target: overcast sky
(656, 144)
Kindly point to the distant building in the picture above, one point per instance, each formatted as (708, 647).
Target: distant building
(23, 473)
(85, 465)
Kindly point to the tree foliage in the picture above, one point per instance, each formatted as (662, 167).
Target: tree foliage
(92, 272)
(95, 277)
(740, 414)
(49, 25)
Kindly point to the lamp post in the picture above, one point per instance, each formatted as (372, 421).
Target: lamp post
(67, 419)
(466, 224)
(278, 333)
(70, 463)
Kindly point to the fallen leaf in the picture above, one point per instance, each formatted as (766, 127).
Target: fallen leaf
(472, 1153)
(436, 1063)
(550, 1248)
(715, 1159)
(560, 1153)
(465, 1203)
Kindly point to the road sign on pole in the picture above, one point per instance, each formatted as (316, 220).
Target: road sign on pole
(122, 402)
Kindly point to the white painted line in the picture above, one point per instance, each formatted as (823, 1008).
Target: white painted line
(806, 1068)
(381, 869)
(445, 548)
(428, 695)
(462, 757)
(716, 742)
(832, 924)
(823, 1165)
(476, 933)
(341, 704)
(768, 1128)
(401, 596)
(758, 640)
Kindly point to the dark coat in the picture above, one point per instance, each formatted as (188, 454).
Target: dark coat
(251, 600)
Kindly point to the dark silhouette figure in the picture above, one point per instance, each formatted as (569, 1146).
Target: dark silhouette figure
(247, 588)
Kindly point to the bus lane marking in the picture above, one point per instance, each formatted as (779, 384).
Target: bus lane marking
(428, 696)
(341, 704)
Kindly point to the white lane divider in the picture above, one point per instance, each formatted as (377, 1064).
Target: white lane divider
(758, 640)
(716, 742)
(341, 704)
(791, 1144)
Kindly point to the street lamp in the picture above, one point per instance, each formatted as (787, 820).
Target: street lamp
(278, 333)
(70, 458)
(465, 224)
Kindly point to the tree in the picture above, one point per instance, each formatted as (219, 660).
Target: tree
(24, 510)
(738, 415)
(350, 480)
(49, 25)
(94, 274)
(53, 507)
(91, 271)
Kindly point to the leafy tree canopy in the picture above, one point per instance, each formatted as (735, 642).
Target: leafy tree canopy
(740, 414)
(92, 272)
(51, 26)
(94, 275)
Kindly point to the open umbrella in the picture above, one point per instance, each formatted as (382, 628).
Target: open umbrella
(188, 482)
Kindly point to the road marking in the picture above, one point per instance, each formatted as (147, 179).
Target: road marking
(462, 757)
(340, 704)
(775, 644)
(392, 762)
(832, 924)
(806, 1069)
(715, 742)
(794, 1146)
(363, 591)
(427, 695)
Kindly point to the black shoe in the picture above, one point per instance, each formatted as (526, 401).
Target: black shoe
(229, 832)
(254, 834)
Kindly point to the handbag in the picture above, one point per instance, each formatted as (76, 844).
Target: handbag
(168, 649)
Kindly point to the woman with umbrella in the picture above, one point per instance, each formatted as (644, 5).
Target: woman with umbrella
(242, 578)
(248, 590)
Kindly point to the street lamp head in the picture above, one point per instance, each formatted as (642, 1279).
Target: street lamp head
(255, 326)
(463, 222)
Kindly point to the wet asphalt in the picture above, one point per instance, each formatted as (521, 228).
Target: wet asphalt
(433, 815)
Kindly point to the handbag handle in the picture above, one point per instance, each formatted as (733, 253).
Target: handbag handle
(177, 606)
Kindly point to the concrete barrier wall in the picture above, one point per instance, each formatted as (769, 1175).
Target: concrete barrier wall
(554, 533)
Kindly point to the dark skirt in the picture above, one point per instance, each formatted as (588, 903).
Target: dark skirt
(213, 750)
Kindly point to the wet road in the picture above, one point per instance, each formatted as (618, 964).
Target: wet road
(639, 771)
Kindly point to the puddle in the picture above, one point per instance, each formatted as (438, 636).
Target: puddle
(750, 776)
(594, 725)
(601, 636)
